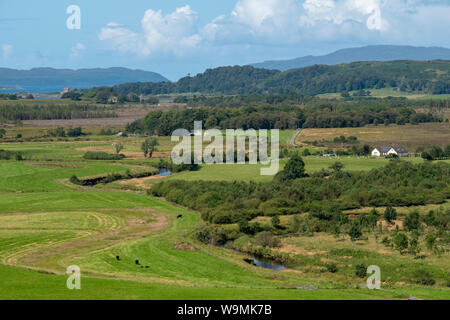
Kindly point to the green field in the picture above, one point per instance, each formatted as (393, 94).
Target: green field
(248, 172)
(48, 224)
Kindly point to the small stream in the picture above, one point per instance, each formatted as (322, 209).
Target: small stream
(268, 264)
(259, 262)
(164, 172)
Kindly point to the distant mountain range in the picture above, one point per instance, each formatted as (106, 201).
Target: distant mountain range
(51, 80)
(369, 53)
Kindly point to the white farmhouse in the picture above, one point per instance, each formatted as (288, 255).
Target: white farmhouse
(387, 151)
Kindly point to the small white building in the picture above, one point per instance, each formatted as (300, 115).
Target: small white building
(387, 151)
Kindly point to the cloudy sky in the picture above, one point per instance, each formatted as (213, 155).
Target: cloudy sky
(177, 37)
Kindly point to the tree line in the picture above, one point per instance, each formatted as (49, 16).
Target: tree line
(409, 76)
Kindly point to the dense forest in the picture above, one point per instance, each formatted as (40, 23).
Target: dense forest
(279, 117)
(409, 76)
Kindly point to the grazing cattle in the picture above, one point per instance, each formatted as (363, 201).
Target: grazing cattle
(118, 258)
(180, 216)
(137, 262)
(147, 267)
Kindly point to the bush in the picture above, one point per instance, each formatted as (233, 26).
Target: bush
(355, 232)
(267, 239)
(401, 242)
(390, 214)
(332, 268)
(424, 277)
(361, 270)
(93, 155)
(412, 221)
(5, 155)
(75, 132)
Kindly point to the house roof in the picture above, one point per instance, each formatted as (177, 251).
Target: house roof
(397, 149)
(400, 149)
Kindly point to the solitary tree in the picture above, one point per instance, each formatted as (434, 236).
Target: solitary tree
(149, 147)
(276, 222)
(118, 147)
(390, 214)
(355, 231)
(294, 169)
(401, 242)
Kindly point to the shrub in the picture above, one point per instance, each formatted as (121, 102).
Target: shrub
(267, 239)
(332, 268)
(390, 214)
(75, 132)
(361, 270)
(401, 242)
(276, 222)
(412, 221)
(424, 277)
(355, 232)
(5, 155)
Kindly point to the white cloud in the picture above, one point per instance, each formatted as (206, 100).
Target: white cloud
(173, 32)
(283, 23)
(7, 51)
(77, 50)
(366, 12)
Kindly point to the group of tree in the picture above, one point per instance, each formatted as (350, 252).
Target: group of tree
(293, 191)
(411, 76)
(436, 153)
(53, 111)
(60, 132)
(277, 117)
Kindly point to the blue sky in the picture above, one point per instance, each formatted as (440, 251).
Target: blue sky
(177, 37)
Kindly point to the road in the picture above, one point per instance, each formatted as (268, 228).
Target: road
(294, 137)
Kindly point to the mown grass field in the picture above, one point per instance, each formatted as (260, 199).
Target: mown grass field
(48, 224)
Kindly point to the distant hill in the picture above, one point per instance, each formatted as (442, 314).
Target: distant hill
(369, 53)
(408, 76)
(49, 79)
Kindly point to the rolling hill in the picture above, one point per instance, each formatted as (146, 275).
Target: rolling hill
(431, 77)
(368, 53)
(50, 80)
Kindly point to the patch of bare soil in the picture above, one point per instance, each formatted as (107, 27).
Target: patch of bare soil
(390, 227)
(291, 271)
(141, 182)
(184, 247)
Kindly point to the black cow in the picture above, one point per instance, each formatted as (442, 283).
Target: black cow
(137, 262)
(118, 258)
(180, 216)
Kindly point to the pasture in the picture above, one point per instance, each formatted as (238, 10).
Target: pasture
(47, 224)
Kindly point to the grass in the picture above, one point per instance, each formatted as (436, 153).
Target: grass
(47, 224)
(409, 136)
(390, 92)
(253, 172)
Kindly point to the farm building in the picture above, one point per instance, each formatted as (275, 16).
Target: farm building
(387, 151)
